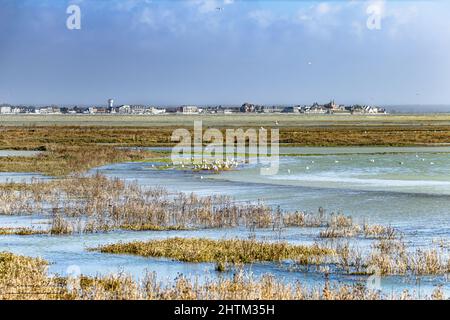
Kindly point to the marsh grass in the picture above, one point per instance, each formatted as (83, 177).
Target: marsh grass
(343, 232)
(61, 160)
(152, 227)
(26, 278)
(337, 225)
(21, 231)
(379, 232)
(294, 130)
(342, 226)
(219, 251)
(95, 203)
(390, 256)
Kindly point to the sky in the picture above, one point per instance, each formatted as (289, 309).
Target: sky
(227, 52)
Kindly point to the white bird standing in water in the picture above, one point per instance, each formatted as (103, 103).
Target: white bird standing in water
(289, 171)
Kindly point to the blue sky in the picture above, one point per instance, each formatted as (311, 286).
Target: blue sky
(188, 52)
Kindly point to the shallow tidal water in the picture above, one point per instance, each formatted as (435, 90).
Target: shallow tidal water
(408, 188)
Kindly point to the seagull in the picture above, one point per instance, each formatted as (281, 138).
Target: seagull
(201, 177)
(307, 168)
(289, 171)
(372, 160)
(277, 123)
(431, 163)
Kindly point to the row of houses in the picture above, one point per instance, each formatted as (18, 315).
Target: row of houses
(8, 109)
(128, 109)
(124, 109)
(315, 108)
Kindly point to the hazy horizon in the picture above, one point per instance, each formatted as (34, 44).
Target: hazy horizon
(212, 52)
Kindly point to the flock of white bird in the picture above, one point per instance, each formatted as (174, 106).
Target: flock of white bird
(219, 165)
(289, 171)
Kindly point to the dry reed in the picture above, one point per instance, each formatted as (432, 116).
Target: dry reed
(26, 278)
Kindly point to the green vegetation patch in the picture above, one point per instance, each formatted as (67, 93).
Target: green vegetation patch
(20, 231)
(206, 250)
(151, 227)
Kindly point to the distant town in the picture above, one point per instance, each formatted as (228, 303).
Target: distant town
(111, 108)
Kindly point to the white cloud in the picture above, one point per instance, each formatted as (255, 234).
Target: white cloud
(128, 5)
(147, 17)
(263, 18)
(323, 8)
(207, 6)
(157, 19)
(318, 12)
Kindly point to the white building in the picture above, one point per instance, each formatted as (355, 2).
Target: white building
(48, 110)
(154, 110)
(188, 109)
(125, 109)
(5, 109)
(368, 109)
(16, 110)
(315, 110)
(137, 109)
